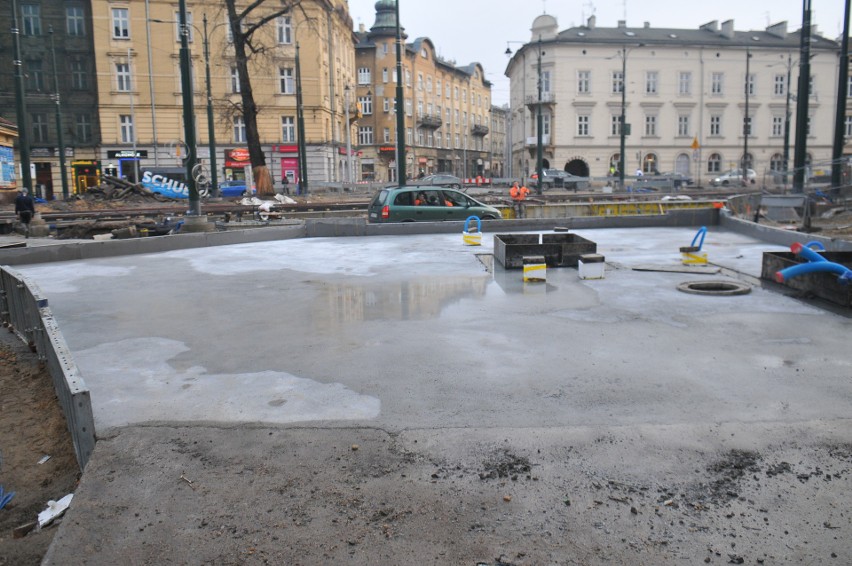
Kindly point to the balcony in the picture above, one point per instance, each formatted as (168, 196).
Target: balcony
(479, 130)
(429, 121)
(546, 98)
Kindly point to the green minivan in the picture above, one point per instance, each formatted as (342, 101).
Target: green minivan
(426, 204)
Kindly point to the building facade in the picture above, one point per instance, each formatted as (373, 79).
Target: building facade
(60, 32)
(696, 102)
(496, 140)
(137, 47)
(447, 108)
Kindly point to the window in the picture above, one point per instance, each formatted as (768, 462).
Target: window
(749, 84)
(779, 87)
(448, 139)
(456, 93)
(582, 125)
(438, 87)
(83, 128)
(386, 106)
(126, 128)
(363, 75)
(717, 84)
(458, 142)
(189, 27)
(35, 76)
(778, 126)
(420, 137)
(714, 163)
(811, 90)
(285, 80)
(386, 135)
(457, 121)
(39, 123)
(31, 19)
(120, 23)
(545, 124)
(239, 129)
(419, 108)
(419, 81)
(651, 81)
(684, 83)
(614, 122)
(584, 81)
(464, 92)
(848, 127)
(683, 125)
(385, 75)
(849, 87)
(429, 85)
(407, 78)
(715, 125)
(650, 124)
(235, 80)
(545, 81)
(776, 162)
(284, 28)
(122, 77)
(75, 21)
(365, 135)
(288, 129)
(366, 103)
(79, 75)
(617, 82)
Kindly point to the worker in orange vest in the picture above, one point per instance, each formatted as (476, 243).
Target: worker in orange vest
(519, 195)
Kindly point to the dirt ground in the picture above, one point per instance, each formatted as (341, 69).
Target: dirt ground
(31, 426)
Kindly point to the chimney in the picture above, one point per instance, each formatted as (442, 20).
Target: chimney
(591, 22)
(728, 29)
(710, 26)
(361, 27)
(647, 25)
(622, 23)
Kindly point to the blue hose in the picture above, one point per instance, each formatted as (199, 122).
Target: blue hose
(806, 252)
(701, 232)
(815, 267)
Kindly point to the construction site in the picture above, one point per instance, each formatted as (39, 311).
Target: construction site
(625, 379)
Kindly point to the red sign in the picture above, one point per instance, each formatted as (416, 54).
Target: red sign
(238, 154)
(286, 148)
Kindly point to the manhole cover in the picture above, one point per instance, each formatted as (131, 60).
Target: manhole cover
(714, 288)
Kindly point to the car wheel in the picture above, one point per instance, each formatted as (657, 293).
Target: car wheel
(724, 183)
(489, 217)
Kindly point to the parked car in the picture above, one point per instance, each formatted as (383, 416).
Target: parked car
(231, 189)
(440, 180)
(557, 178)
(416, 203)
(663, 181)
(734, 177)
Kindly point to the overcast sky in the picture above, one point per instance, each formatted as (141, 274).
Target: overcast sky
(470, 31)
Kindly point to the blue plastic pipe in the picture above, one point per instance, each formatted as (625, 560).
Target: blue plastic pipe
(813, 267)
(701, 232)
(806, 252)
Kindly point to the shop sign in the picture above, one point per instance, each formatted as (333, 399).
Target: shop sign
(126, 154)
(238, 157)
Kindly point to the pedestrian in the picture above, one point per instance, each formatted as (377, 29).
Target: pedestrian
(285, 183)
(25, 209)
(519, 194)
(639, 172)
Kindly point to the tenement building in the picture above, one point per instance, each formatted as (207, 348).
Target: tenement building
(695, 101)
(447, 107)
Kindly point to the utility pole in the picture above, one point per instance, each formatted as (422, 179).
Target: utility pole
(804, 97)
(840, 117)
(211, 126)
(21, 105)
(188, 112)
(59, 139)
(745, 162)
(300, 126)
(400, 105)
(539, 126)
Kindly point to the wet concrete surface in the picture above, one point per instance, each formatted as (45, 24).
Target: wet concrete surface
(399, 356)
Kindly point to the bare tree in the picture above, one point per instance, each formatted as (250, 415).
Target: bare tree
(246, 21)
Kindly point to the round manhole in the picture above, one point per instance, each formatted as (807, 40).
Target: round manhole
(714, 288)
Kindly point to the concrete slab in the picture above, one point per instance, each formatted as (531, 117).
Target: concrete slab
(413, 336)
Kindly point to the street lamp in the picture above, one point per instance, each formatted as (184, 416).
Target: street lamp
(300, 126)
(539, 127)
(745, 162)
(21, 103)
(346, 90)
(188, 112)
(211, 129)
(624, 128)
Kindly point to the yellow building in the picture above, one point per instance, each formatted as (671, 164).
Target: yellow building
(447, 108)
(137, 45)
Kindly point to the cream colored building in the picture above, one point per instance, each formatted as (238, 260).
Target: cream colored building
(447, 107)
(137, 47)
(685, 99)
(497, 141)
